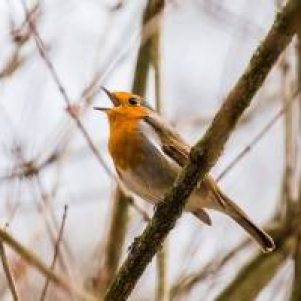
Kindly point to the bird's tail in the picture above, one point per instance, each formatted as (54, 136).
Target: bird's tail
(262, 238)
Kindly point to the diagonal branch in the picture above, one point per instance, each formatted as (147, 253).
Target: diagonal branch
(247, 285)
(206, 152)
(8, 273)
(56, 252)
(296, 288)
(34, 261)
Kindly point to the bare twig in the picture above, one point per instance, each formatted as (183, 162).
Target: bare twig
(70, 109)
(162, 289)
(247, 284)
(56, 252)
(114, 244)
(186, 283)
(259, 135)
(296, 288)
(288, 201)
(33, 260)
(8, 273)
(74, 114)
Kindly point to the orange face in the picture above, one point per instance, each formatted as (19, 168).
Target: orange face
(126, 106)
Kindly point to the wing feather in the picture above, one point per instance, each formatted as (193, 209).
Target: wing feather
(172, 144)
(174, 147)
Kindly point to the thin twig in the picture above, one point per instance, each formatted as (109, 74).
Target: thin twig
(8, 273)
(43, 53)
(296, 288)
(56, 252)
(186, 283)
(33, 260)
(162, 289)
(259, 135)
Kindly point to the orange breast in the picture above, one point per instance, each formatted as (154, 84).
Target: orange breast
(125, 143)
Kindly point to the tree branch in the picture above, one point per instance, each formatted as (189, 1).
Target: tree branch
(296, 288)
(206, 152)
(33, 260)
(247, 285)
(7, 271)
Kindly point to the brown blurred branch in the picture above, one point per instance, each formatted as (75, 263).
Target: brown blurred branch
(186, 283)
(259, 135)
(199, 120)
(296, 288)
(33, 260)
(71, 110)
(206, 152)
(8, 273)
(20, 36)
(287, 201)
(115, 241)
(247, 283)
(55, 253)
(162, 289)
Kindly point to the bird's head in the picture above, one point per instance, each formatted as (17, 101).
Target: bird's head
(125, 105)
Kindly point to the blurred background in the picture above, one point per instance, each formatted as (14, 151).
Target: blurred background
(58, 195)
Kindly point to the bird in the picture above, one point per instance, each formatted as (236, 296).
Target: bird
(149, 153)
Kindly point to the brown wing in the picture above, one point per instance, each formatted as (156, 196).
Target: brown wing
(173, 145)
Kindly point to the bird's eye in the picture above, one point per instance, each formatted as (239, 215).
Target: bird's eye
(133, 101)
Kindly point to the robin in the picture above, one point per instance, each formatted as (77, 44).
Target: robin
(148, 154)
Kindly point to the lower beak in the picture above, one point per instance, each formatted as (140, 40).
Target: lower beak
(101, 109)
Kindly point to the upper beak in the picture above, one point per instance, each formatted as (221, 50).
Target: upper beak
(112, 97)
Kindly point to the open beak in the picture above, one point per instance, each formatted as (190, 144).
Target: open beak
(112, 97)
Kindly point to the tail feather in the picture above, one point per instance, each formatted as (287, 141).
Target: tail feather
(262, 238)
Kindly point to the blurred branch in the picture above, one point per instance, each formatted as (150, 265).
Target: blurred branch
(7, 272)
(288, 201)
(55, 253)
(162, 290)
(20, 36)
(53, 226)
(206, 152)
(247, 283)
(199, 120)
(119, 218)
(31, 171)
(151, 14)
(71, 110)
(30, 168)
(259, 135)
(185, 284)
(296, 288)
(14, 62)
(115, 241)
(33, 260)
